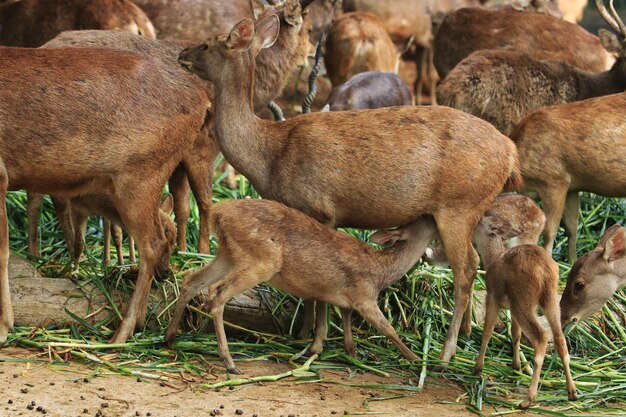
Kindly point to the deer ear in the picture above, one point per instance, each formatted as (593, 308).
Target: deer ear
(614, 246)
(168, 204)
(267, 31)
(257, 8)
(385, 238)
(610, 41)
(241, 35)
(292, 12)
(498, 226)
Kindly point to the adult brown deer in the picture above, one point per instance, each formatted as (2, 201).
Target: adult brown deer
(265, 241)
(537, 35)
(370, 90)
(78, 121)
(272, 71)
(34, 22)
(288, 161)
(358, 42)
(570, 148)
(595, 277)
(520, 279)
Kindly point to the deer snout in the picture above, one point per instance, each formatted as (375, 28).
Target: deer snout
(183, 60)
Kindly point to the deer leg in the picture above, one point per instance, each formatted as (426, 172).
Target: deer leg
(131, 250)
(106, 228)
(420, 63)
(6, 310)
(553, 204)
(321, 328)
(531, 327)
(491, 315)
(79, 223)
(466, 323)
(433, 76)
(63, 210)
(553, 314)
(570, 223)
(516, 336)
(376, 318)
(33, 210)
(308, 321)
(179, 187)
(118, 239)
(348, 342)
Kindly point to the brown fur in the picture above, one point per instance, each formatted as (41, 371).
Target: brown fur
(520, 279)
(534, 34)
(390, 165)
(569, 148)
(370, 90)
(265, 241)
(358, 42)
(76, 121)
(31, 23)
(595, 277)
(504, 86)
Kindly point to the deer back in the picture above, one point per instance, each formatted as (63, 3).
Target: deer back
(370, 90)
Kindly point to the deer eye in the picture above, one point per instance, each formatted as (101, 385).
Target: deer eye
(205, 46)
(579, 286)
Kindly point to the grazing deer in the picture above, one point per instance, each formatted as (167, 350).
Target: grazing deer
(288, 161)
(370, 90)
(358, 42)
(274, 66)
(520, 211)
(95, 121)
(520, 279)
(265, 241)
(570, 148)
(31, 23)
(534, 34)
(595, 277)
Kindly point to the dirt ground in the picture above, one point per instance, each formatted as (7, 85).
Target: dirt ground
(72, 391)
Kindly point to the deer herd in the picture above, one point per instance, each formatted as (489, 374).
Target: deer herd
(103, 102)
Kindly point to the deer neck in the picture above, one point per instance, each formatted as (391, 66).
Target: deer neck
(489, 248)
(240, 133)
(603, 83)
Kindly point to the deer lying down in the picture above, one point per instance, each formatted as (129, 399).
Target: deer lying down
(520, 279)
(265, 241)
(370, 90)
(390, 165)
(595, 277)
(519, 210)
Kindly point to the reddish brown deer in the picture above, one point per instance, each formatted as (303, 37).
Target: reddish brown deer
(570, 148)
(534, 34)
(272, 71)
(595, 277)
(288, 161)
(370, 90)
(358, 42)
(518, 210)
(265, 241)
(34, 22)
(77, 121)
(520, 279)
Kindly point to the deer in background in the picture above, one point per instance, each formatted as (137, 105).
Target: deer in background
(358, 42)
(370, 90)
(595, 277)
(288, 161)
(521, 212)
(265, 241)
(31, 23)
(520, 279)
(570, 148)
(536, 35)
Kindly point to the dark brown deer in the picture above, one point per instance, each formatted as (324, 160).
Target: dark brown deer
(520, 279)
(595, 277)
(265, 241)
(537, 35)
(77, 121)
(370, 90)
(32, 23)
(570, 148)
(377, 156)
(358, 42)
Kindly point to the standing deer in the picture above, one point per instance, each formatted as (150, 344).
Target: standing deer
(77, 121)
(595, 277)
(265, 241)
(358, 42)
(31, 23)
(570, 148)
(520, 279)
(390, 165)
(536, 35)
(370, 90)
